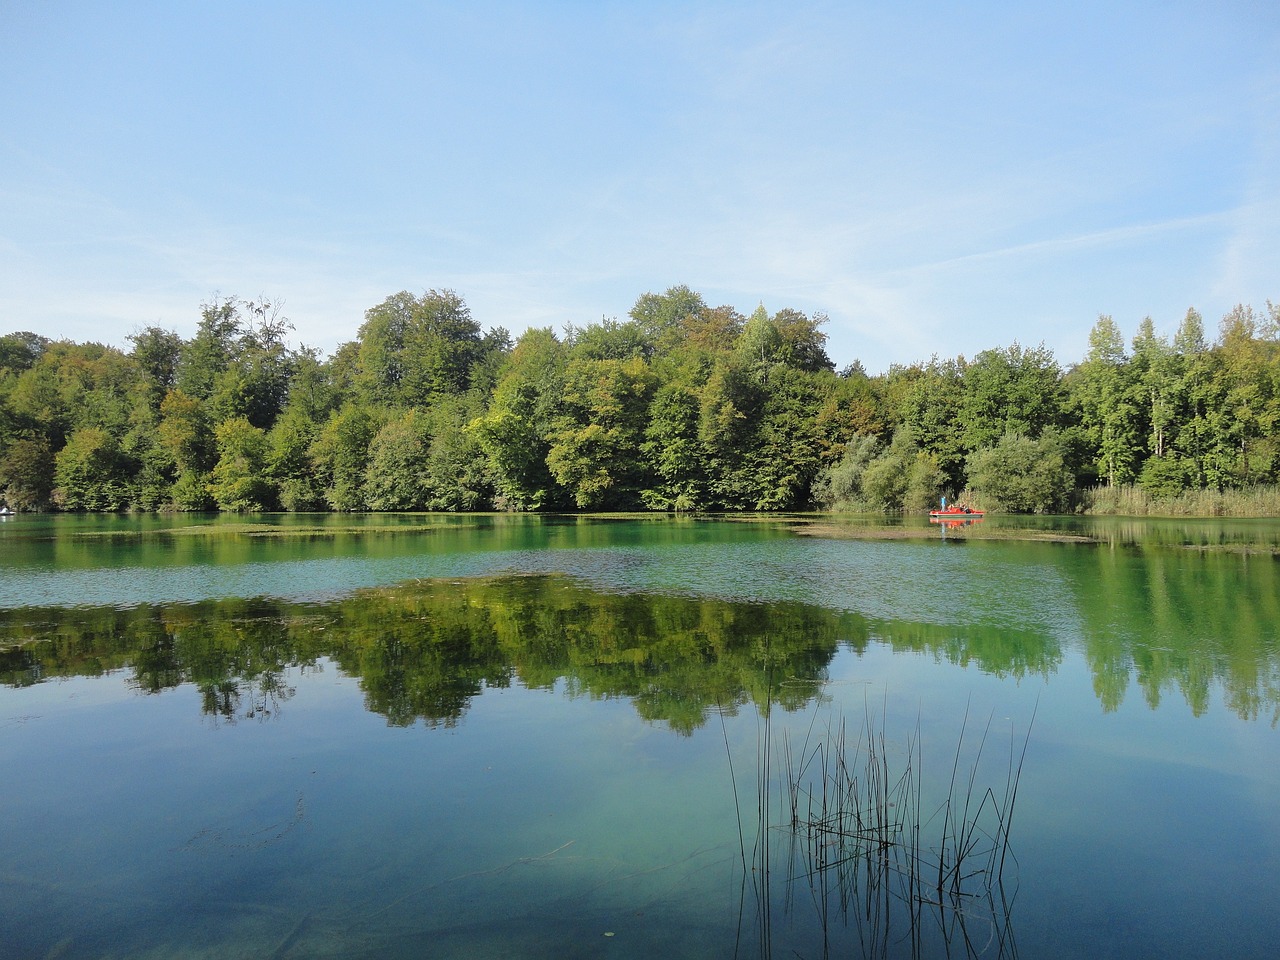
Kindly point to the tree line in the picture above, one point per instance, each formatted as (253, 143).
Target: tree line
(681, 406)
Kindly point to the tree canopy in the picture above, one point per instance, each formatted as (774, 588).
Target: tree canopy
(679, 406)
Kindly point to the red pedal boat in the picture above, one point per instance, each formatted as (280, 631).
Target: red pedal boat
(956, 513)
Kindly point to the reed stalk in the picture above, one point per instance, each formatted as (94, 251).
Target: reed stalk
(871, 853)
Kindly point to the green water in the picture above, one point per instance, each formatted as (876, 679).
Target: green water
(573, 737)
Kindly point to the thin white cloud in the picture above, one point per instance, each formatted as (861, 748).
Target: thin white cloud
(1111, 237)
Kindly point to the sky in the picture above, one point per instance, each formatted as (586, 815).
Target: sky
(937, 178)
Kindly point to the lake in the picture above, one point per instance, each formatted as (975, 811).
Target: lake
(560, 736)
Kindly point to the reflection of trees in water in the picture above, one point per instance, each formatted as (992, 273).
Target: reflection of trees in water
(1172, 622)
(251, 698)
(422, 651)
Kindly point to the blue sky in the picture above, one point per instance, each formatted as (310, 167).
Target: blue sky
(938, 178)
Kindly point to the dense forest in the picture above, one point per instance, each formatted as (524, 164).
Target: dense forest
(679, 407)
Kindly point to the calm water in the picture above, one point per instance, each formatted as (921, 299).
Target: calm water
(571, 737)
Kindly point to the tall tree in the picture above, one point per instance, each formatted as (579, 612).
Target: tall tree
(672, 451)
(159, 354)
(804, 344)
(186, 435)
(596, 439)
(340, 456)
(664, 319)
(210, 352)
(1107, 411)
(26, 474)
(760, 342)
(239, 481)
(932, 414)
(1022, 475)
(513, 434)
(1249, 395)
(289, 463)
(396, 477)
(92, 472)
(414, 349)
(21, 350)
(1015, 390)
(458, 475)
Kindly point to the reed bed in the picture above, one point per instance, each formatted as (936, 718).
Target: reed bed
(1134, 501)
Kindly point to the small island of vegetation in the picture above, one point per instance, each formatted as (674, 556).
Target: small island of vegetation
(680, 407)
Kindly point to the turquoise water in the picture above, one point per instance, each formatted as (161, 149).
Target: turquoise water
(562, 737)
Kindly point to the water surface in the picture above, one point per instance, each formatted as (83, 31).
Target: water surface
(477, 736)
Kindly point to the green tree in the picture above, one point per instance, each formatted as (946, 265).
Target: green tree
(664, 319)
(495, 346)
(1153, 380)
(885, 478)
(187, 434)
(609, 340)
(158, 352)
(257, 384)
(513, 433)
(76, 385)
(595, 452)
(1015, 390)
(239, 480)
(729, 408)
(340, 455)
(1250, 401)
(1195, 399)
(21, 350)
(761, 341)
(396, 477)
(211, 351)
(26, 474)
(904, 476)
(414, 349)
(839, 485)
(1105, 398)
(1157, 378)
(313, 392)
(784, 456)
(92, 472)
(289, 462)
(458, 476)
(932, 411)
(155, 470)
(713, 330)
(850, 411)
(804, 344)
(672, 451)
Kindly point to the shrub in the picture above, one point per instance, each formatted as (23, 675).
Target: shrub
(1021, 475)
